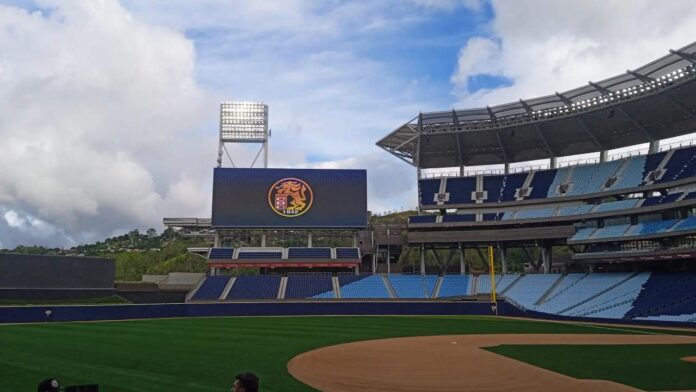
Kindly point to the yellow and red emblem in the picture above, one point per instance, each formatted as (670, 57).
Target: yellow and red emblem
(290, 197)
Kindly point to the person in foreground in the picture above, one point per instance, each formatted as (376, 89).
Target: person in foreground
(245, 382)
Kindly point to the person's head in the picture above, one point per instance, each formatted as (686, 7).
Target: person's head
(245, 382)
(48, 385)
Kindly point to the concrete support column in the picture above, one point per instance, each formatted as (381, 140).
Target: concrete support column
(263, 240)
(216, 240)
(462, 264)
(461, 170)
(388, 261)
(422, 260)
(547, 258)
(374, 263)
(654, 146)
(553, 162)
(503, 259)
(603, 156)
(355, 240)
(507, 168)
(309, 239)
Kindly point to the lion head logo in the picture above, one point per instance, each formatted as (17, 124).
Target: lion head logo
(290, 197)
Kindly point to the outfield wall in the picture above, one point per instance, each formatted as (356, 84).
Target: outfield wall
(31, 314)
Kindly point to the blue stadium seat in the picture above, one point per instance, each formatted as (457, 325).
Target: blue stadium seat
(541, 183)
(221, 253)
(557, 180)
(615, 302)
(413, 286)
(212, 288)
(259, 254)
(647, 228)
(347, 253)
(422, 219)
(582, 234)
(309, 253)
(309, 286)
(454, 286)
(459, 218)
(427, 189)
(501, 283)
(460, 189)
(682, 164)
(362, 286)
(533, 214)
(529, 288)
(632, 174)
(610, 231)
(652, 161)
(657, 200)
(574, 210)
(665, 294)
(493, 185)
(511, 184)
(255, 287)
(616, 205)
(685, 224)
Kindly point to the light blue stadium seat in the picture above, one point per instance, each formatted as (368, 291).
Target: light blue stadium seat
(532, 214)
(413, 286)
(582, 234)
(614, 303)
(615, 231)
(579, 291)
(574, 210)
(632, 174)
(529, 288)
(646, 228)
(501, 283)
(617, 205)
(454, 286)
(362, 286)
(557, 180)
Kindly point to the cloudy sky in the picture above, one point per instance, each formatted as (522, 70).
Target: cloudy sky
(108, 109)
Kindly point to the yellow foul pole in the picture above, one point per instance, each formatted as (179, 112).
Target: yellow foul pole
(491, 268)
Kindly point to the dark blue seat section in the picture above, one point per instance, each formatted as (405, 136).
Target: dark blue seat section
(665, 294)
(309, 253)
(511, 184)
(540, 183)
(494, 186)
(260, 255)
(345, 278)
(307, 286)
(682, 164)
(255, 287)
(422, 219)
(427, 189)
(212, 287)
(656, 200)
(459, 218)
(652, 161)
(493, 216)
(221, 253)
(690, 195)
(347, 253)
(460, 189)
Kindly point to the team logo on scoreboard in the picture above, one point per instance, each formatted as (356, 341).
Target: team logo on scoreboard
(290, 197)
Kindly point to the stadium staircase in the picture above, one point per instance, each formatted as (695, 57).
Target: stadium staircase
(388, 285)
(283, 287)
(228, 287)
(551, 289)
(566, 310)
(438, 285)
(336, 286)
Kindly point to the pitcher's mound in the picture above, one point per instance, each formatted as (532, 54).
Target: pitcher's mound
(449, 363)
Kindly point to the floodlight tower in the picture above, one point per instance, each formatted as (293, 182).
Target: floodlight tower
(244, 122)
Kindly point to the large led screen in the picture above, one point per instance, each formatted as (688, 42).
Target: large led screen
(293, 198)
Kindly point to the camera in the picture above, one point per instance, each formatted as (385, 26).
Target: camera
(52, 385)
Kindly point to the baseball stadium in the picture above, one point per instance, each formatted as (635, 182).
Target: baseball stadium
(305, 291)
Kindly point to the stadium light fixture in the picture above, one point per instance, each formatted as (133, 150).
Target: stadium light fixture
(244, 122)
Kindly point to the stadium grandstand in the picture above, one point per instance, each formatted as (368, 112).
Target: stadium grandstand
(503, 177)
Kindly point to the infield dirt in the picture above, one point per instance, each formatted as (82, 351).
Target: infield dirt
(450, 363)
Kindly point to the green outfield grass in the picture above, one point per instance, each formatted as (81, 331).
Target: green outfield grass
(203, 354)
(647, 367)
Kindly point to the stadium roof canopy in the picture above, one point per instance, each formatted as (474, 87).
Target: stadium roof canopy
(653, 102)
